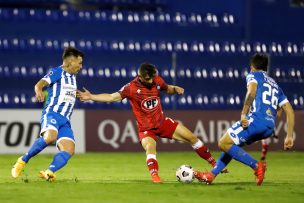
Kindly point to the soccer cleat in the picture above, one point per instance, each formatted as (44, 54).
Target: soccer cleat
(259, 172)
(206, 177)
(18, 167)
(155, 178)
(47, 175)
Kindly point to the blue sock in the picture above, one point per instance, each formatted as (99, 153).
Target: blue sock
(240, 155)
(221, 163)
(59, 161)
(37, 147)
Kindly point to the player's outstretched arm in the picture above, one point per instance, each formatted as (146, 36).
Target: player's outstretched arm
(38, 90)
(87, 96)
(288, 142)
(172, 89)
(250, 95)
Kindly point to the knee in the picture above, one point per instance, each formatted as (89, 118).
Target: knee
(220, 145)
(190, 138)
(223, 145)
(193, 139)
(50, 137)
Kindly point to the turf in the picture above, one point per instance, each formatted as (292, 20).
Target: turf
(123, 177)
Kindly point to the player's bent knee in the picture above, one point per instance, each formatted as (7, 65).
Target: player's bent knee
(221, 146)
(193, 139)
(50, 136)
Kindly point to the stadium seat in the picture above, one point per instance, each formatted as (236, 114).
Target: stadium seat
(4, 71)
(208, 44)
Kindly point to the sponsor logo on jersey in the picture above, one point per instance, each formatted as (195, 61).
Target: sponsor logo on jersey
(268, 112)
(150, 103)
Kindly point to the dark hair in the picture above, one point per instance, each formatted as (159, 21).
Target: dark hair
(147, 69)
(260, 61)
(71, 51)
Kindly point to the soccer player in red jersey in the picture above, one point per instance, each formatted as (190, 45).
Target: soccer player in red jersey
(143, 93)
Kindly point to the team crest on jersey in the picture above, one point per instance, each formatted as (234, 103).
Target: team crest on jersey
(150, 103)
(53, 121)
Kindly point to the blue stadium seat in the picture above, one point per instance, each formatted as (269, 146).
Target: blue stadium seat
(164, 72)
(4, 71)
(202, 101)
(210, 47)
(132, 72)
(297, 101)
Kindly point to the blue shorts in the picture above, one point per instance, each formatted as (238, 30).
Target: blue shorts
(59, 123)
(259, 128)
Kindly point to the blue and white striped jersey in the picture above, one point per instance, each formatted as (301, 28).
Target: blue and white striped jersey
(268, 95)
(61, 92)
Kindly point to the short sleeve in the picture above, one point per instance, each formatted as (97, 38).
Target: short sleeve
(125, 91)
(251, 78)
(282, 98)
(162, 85)
(53, 75)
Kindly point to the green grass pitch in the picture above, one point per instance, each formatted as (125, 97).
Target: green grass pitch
(123, 177)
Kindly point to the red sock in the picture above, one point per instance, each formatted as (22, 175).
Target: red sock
(204, 152)
(152, 166)
(264, 151)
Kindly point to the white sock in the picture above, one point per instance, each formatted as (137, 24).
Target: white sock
(198, 144)
(151, 156)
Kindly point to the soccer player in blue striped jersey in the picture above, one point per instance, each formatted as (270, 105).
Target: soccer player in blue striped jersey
(263, 99)
(55, 119)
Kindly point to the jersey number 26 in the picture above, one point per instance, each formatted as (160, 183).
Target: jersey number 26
(270, 96)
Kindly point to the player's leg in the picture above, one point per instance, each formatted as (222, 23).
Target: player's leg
(220, 165)
(49, 126)
(149, 144)
(230, 143)
(236, 152)
(265, 145)
(66, 145)
(236, 136)
(41, 143)
(182, 133)
(67, 149)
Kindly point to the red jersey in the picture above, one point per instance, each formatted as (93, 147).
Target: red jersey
(145, 102)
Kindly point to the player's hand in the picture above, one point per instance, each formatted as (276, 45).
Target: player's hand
(39, 96)
(84, 96)
(288, 143)
(179, 90)
(244, 121)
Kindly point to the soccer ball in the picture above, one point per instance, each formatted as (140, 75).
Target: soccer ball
(185, 174)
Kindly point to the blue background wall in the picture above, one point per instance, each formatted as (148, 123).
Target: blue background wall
(202, 45)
